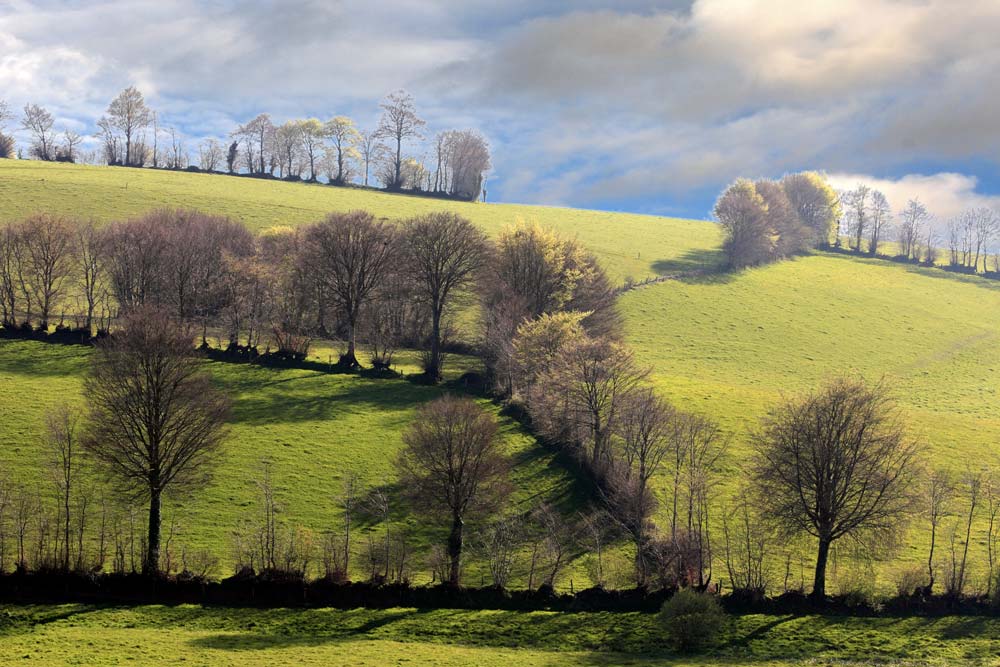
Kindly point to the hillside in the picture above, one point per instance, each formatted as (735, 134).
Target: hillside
(728, 346)
(631, 245)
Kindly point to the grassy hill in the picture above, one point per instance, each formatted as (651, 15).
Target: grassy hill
(631, 245)
(725, 345)
(313, 428)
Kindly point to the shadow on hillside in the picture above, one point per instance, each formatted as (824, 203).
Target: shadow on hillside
(318, 397)
(696, 259)
(35, 358)
(925, 271)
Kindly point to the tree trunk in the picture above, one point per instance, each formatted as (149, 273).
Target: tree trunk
(350, 360)
(434, 367)
(819, 581)
(455, 549)
(151, 566)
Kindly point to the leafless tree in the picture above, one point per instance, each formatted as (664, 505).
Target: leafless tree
(62, 441)
(13, 260)
(940, 489)
(156, 423)
(856, 207)
(746, 547)
(792, 235)
(835, 463)
(644, 429)
(370, 148)
(288, 148)
(911, 222)
(443, 252)
(398, 123)
(579, 400)
(880, 216)
(38, 122)
(453, 463)
(344, 137)
(67, 152)
(499, 543)
(210, 155)
(351, 253)
(749, 237)
(129, 115)
(49, 248)
(463, 158)
(815, 202)
(256, 137)
(972, 485)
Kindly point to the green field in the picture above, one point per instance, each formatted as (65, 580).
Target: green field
(728, 346)
(631, 245)
(313, 428)
(78, 634)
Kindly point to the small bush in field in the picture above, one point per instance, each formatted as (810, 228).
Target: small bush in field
(691, 619)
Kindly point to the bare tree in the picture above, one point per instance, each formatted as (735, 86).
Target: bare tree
(156, 423)
(940, 489)
(210, 155)
(256, 136)
(835, 463)
(463, 158)
(48, 242)
(345, 137)
(880, 218)
(579, 400)
(371, 149)
(644, 429)
(749, 237)
(129, 114)
(443, 254)
(67, 152)
(452, 462)
(312, 133)
(972, 484)
(351, 253)
(815, 202)
(398, 123)
(62, 440)
(499, 543)
(38, 122)
(911, 222)
(856, 205)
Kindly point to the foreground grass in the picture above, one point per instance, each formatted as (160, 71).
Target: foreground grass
(629, 244)
(190, 635)
(314, 429)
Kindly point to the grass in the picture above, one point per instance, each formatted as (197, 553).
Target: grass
(313, 428)
(731, 346)
(155, 635)
(630, 245)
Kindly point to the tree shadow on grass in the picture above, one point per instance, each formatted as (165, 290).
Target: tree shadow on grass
(39, 359)
(695, 259)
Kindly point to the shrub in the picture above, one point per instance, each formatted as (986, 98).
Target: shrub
(691, 619)
(909, 580)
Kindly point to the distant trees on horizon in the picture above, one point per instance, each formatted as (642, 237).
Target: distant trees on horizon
(131, 135)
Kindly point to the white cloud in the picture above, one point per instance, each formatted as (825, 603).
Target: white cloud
(601, 102)
(945, 195)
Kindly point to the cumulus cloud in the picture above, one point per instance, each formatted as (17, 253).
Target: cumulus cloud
(629, 104)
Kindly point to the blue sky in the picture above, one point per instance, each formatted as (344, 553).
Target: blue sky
(649, 107)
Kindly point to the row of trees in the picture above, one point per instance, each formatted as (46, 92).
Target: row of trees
(868, 222)
(131, 135)
(768, 220)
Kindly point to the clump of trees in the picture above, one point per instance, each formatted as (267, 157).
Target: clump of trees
(765, 221)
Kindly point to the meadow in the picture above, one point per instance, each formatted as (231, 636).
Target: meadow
(313, 429)
(156, 635)
(726, 345)
(636, 246)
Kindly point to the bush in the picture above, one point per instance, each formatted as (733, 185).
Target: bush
(692, 619)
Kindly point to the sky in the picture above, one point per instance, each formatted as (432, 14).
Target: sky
(650, 107)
